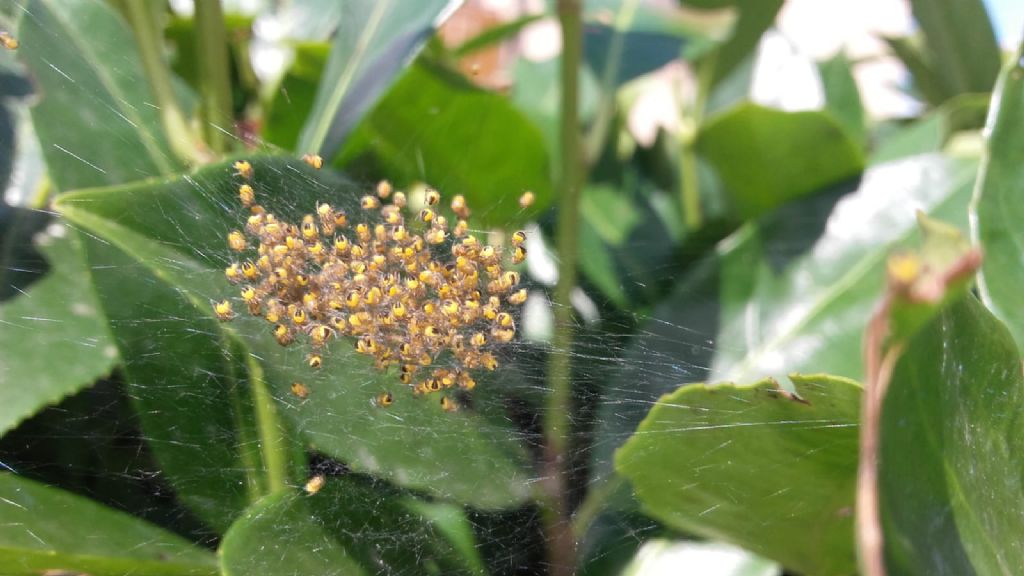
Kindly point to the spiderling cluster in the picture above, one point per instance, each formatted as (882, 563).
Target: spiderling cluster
(408, 293)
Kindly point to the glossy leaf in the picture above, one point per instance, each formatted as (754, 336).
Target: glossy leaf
(434, 126)
(93, 120)
(792, 292)
(842, 97)
(182, 246)
(998, 206)
(348, 527)
(767, 157)
(190, 388)
(375, 40)
(793, 321)
(949, 479)
(691, 462)
(55, 317)
(49, 531)
(959, 44)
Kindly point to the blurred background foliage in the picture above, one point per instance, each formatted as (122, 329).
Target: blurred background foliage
(745, 169)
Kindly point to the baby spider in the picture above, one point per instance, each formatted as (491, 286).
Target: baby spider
(315, 484)
(243, 169)
(300, 390)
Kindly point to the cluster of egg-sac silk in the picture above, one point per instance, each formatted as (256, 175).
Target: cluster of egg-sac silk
(406, 292)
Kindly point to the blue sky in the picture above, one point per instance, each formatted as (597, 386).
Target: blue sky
(1008, 17)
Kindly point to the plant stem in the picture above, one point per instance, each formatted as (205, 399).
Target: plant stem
(606, 107)
(143, 19)
(689, 179)
(273, 440)
(557, 419)
(248, 446)
(594, 504)
(214, 75)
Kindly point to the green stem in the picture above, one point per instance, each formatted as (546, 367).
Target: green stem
(594, 504)
(689, 180)
(598, 132)
(214, 75)
(557, 419)
(142, 17)
(690, 186)
(273, 440)
(256, 487)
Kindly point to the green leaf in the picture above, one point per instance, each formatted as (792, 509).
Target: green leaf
(45, 530)
(280, 535)
(494, 35)
(767, 157)
(998, 206)
(436, 127)
(812, 292)
(789, 293)
(296, 92)
(93, 121)
(959, 44)
(181, 248)
(949, 478)
(614, 221)
(47, 315)
(931, 132)
(450, 521)
(756, 16)
(624, 40)
(842, 98)
(926, 79)
(188, 382)
(755, 466)
(537, 94)
(376, 39)
(348, 527)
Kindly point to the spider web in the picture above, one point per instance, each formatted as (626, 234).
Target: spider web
(623, 358)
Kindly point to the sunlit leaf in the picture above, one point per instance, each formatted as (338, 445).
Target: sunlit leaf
(999, 202)
(436, 127)
(767, 157)
(755, 466)
(94, 119)
(792, 292)
(49, 531)
(950, 459)
(375, 40)
(842, 97)
(182, 247)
